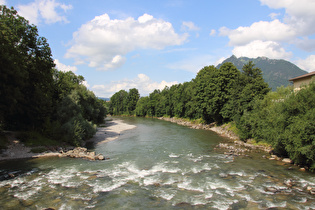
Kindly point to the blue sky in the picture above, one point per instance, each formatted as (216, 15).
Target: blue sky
(124, 44)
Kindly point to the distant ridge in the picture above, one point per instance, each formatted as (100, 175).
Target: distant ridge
(104, 99)
(276, 72)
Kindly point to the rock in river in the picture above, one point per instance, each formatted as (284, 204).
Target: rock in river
(81, 152)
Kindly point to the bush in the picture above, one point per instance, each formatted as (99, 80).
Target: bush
(286, 120)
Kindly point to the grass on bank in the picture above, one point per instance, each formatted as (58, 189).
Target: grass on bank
(34, 139)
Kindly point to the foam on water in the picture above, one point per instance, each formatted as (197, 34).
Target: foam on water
(169, 177)
(172, 155)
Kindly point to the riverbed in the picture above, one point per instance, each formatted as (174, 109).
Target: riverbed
(156, 165)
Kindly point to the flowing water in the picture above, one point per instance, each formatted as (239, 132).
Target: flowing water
(157, 165)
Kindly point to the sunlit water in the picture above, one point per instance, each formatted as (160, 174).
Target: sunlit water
(157, 165)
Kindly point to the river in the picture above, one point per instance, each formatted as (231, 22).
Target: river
(157, 165)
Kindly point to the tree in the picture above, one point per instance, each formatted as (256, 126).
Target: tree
(118, 103)
(213, 90)
(285, 120)
(142, 107)
(249, 86)
(132, 99)
(26, 73)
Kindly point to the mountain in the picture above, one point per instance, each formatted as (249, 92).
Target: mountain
(104, 99)
(275, 72)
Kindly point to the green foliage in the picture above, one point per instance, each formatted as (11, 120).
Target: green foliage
(286, 120)
(276, 72)
(34, 138)
(26, 73)
(142, 107)
(123, 102)
(47, 103)
(215, 95)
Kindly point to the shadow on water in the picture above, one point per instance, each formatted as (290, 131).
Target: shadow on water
(10, 169)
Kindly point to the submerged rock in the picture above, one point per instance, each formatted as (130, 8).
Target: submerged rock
(271, 189)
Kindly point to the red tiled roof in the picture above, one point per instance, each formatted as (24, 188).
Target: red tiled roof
(305, 75)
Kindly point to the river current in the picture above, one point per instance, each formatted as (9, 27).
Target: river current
(157, 165)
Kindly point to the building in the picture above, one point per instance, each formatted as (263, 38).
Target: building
(303, 80)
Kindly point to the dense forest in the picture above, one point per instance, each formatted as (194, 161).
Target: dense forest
(36, 98)
(284, 119)
(215, 95)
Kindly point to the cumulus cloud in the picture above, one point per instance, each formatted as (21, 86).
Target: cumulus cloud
(48, 11)
(142, 82)
(2, 2)
(263, 30)
(62, 67)
(307, 64)
(295, 28)
(103, 42)
(258, 48)
(300, 14)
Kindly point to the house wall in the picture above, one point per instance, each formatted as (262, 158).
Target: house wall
(302, 82)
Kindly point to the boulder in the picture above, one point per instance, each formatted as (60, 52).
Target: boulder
(289, 182)
(81, 152)
(287, 160)
(100, 157)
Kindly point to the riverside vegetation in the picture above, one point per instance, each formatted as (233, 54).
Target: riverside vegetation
(48, 106)
(44, 105)
(283, 119)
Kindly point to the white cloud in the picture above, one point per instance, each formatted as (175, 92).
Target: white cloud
(190, 26)
(258, 48)
(213, 32)
(3, 2)
(142, 82)
(306, 44)
(263, 30)
(103, 42)
(49, 11)
(85, 83)
(220, 60)
(300, 14)
(307, 64)
(274, 15)
(63, 67)
(295, 28)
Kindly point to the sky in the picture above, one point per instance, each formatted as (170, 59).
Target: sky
(124, 44)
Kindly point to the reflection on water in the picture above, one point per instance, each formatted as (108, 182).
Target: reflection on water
(157, 165)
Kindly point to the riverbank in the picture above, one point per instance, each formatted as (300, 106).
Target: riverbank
(237, 147)
(223, 130)
(110, 131)
(105, 133)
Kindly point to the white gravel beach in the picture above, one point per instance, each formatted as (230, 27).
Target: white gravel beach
(110, 131)
(105, 133)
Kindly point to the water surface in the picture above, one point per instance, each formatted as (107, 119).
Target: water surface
(157, 165)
